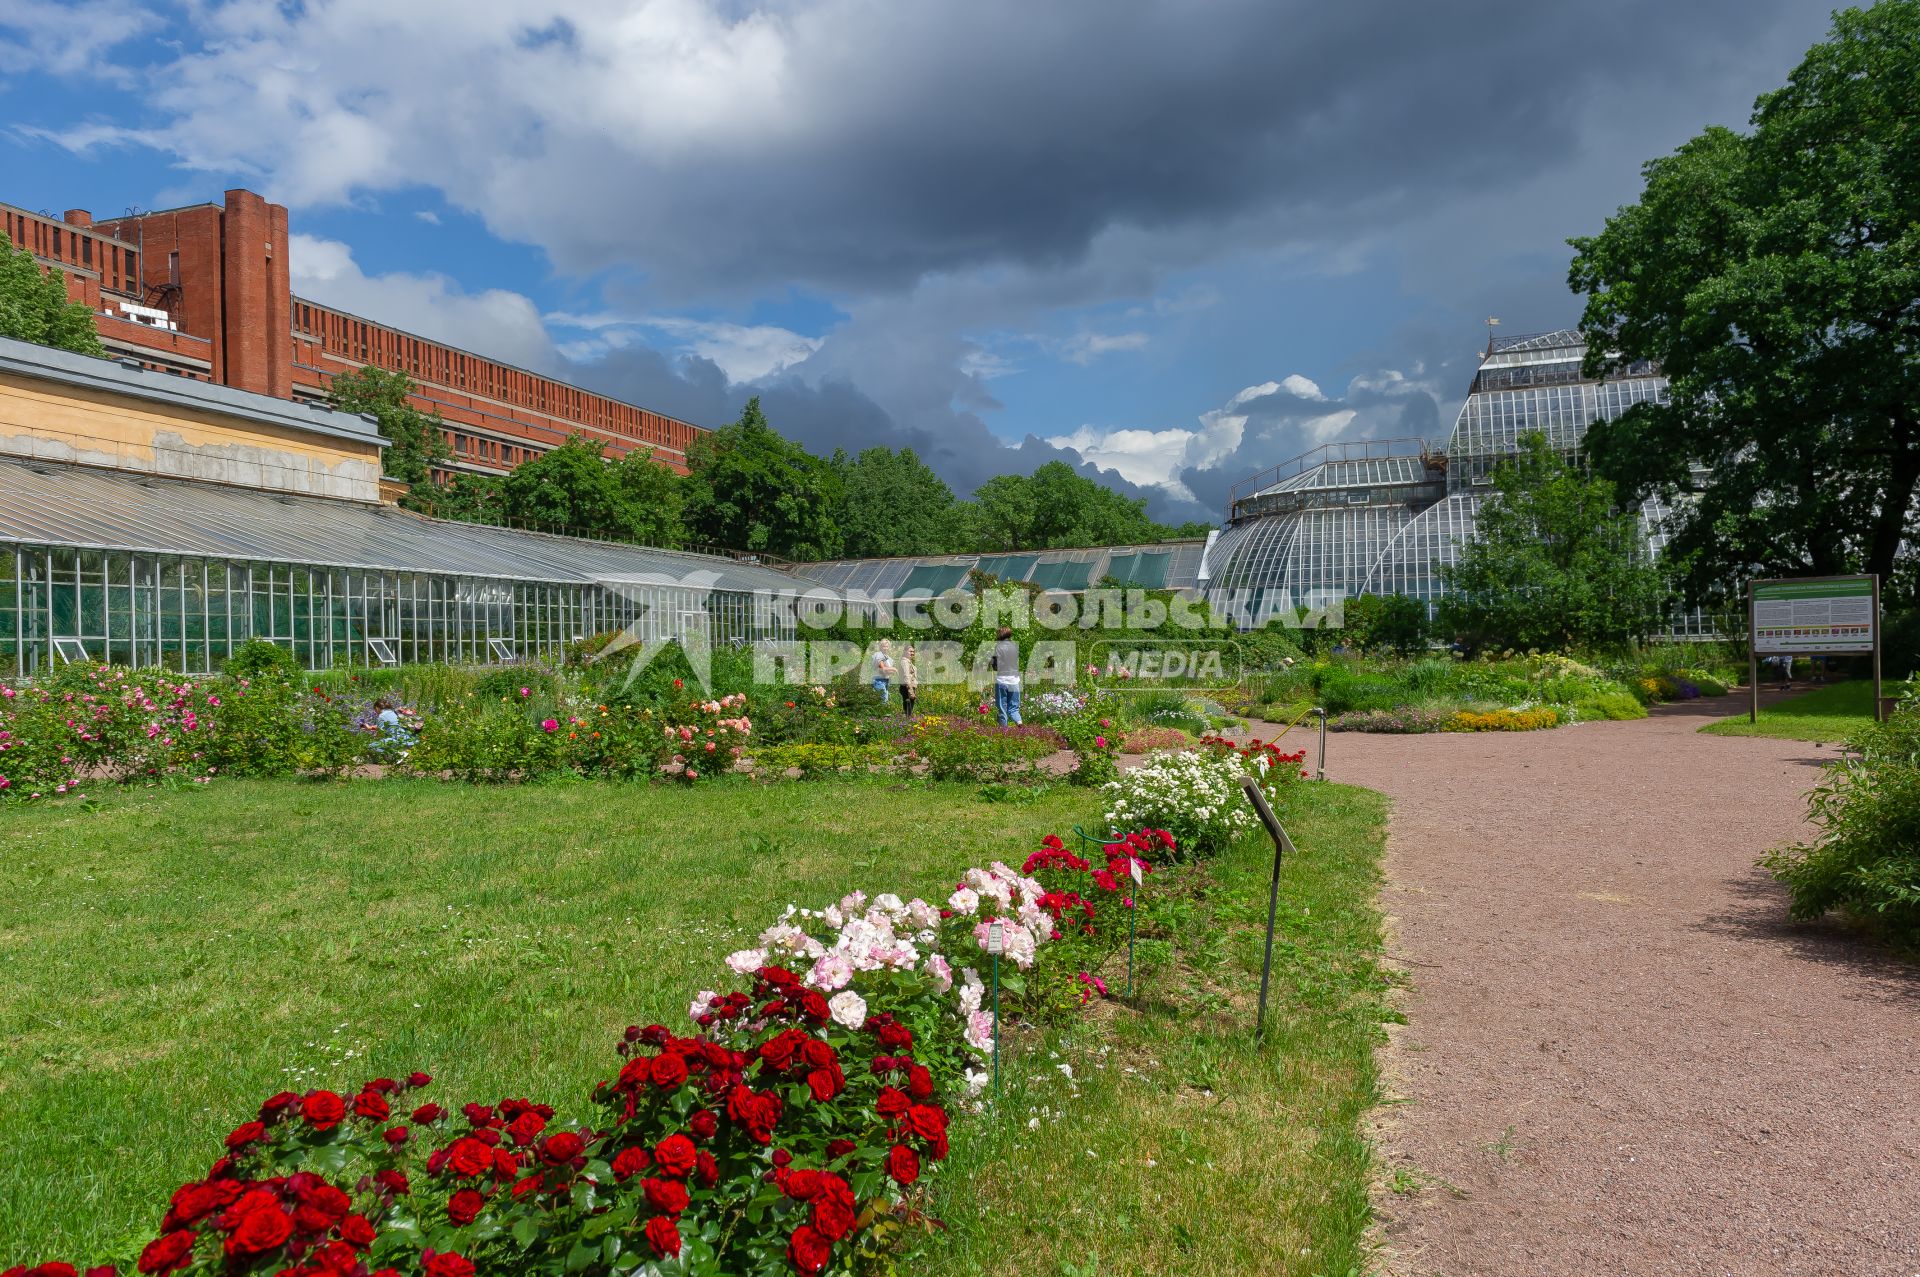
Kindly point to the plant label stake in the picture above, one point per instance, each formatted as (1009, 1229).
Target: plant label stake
(1320, 773)
(996, 945)
(1133, 912)
(1282, 845)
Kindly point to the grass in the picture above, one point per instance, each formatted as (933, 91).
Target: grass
(1178, 1144)
(175, 957)
(1825, 714)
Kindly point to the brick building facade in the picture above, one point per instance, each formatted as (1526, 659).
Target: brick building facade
(203, 292)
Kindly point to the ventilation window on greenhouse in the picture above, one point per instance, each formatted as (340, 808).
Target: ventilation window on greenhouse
(382, 652)
(70, 650)
(502, 649)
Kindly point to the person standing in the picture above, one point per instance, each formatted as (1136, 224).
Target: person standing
(1006, 677)
(909, 680)
(882, 668)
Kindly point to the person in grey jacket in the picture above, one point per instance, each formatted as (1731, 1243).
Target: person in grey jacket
(1006, 677)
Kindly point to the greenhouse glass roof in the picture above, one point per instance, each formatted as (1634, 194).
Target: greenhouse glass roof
(62, 505)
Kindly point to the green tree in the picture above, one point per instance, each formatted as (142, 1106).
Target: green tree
(569, 488)
(1772, 276)
(751, 489)
(415, 442)
(653, 497)
(34, 306)
(475, 498)
(1555, 563)
(895, 505)
(1385, 622)
(1053, 509)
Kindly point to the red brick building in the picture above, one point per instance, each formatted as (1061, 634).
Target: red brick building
(203, 292)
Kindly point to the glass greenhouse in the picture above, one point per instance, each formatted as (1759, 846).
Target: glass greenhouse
(108, 565)
(1376, 517)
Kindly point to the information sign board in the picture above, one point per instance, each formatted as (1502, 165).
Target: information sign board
(1821, 615)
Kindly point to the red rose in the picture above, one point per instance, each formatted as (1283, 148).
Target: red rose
(446, 1265)
(903, 1164)
(191, 1201)
(703, 1124)
(927, 1121)
(53, 1268)
(813, 1005)
(837, 1149)
(418, 1079)
(676, 1155)
(558, 1150)
(395, 1135)
(824, 1084)
(356, 1231)
(253, 1199)
(246, 1133)
(664, 1236)
(469, 1157)
(384, 1085)
(667, 1196)
(393, 1181)
(333, 1257)
(919, 1082)
(808, 1251)
(668, 1071)
(464, 1207)
(275, 1104)
(892, 1103)
(505, 1164)
(817, 1054)
(706, 1170)
(478, 1114)
(164, 1254)
(323, 1110)
(895, 1037)
(630, 1162)
(261, 1230)
(428, 1113)
(778, 1050)
(526, 1128)
(371, 1105)
(802, 1184)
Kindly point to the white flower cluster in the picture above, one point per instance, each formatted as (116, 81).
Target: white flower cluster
(1195, 797)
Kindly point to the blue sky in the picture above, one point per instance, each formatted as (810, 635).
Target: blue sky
(1169, 242)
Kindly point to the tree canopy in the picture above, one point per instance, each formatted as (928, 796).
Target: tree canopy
(896, 505)
(1055, 508)
(1555, 563)
(34, 306)
(752, 489)
(1774, 276)
(414, 439)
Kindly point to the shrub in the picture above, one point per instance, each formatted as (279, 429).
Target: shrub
(813, 760)
(1865, 860)
(1196, 795)
(952, 749)
(1144, 740)
(1503, 720)
(257, 657)
(258, 730)
(1615, 706)
(1095, 743)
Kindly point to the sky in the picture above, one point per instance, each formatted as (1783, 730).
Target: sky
(1172, 242)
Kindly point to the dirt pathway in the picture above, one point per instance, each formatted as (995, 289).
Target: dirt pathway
(1620, 1057)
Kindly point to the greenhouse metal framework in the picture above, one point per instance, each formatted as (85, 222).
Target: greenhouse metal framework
(105, 565)
(1387, 517)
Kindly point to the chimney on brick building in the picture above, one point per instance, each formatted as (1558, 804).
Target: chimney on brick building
(77, 217)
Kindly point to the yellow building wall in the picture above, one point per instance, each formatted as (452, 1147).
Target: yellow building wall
(50, 421)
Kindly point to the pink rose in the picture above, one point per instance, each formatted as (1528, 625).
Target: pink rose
(550, 725)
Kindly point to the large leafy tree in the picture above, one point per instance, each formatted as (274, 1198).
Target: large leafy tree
(415, 442)
(653, 497)
(570, 488)
(1774, 276)
(34, 306)
(1555, 563)
(1055, 508)
(751, 489)
(895, 504)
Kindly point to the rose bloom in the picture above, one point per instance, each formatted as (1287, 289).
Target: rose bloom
(323, 1110)
(848, 1008)
(446, 1264)
(807, 1250)
(676, 1155)
(903, 1164)
(165, 1254)
(261, 1230)
(465, 1207)
(663, 1235)
(667, 1196)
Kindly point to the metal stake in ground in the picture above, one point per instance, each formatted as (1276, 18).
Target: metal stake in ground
(1320, 773)
(1133, 909)
(1282, 845)
(996, 945)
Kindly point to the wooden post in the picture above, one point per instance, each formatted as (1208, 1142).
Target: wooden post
(1753, 661)
(1876, 649)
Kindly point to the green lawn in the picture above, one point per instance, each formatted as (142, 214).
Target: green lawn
(174, 957)
(1178, 1145)
(1830, 713)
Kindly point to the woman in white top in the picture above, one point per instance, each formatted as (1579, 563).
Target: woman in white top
(882, 668)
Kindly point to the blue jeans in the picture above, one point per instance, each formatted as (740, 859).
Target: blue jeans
(1006, 702)
(880, 686)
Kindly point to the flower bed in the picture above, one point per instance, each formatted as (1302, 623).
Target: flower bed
(1504, 720)
(786, 1131)
(1196, 795)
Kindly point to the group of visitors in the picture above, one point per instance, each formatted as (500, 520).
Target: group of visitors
(1006, 676)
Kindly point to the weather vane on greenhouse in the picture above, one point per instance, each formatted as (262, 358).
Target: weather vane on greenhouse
(1492, 324)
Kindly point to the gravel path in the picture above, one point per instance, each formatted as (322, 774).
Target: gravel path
(1620, 1058)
